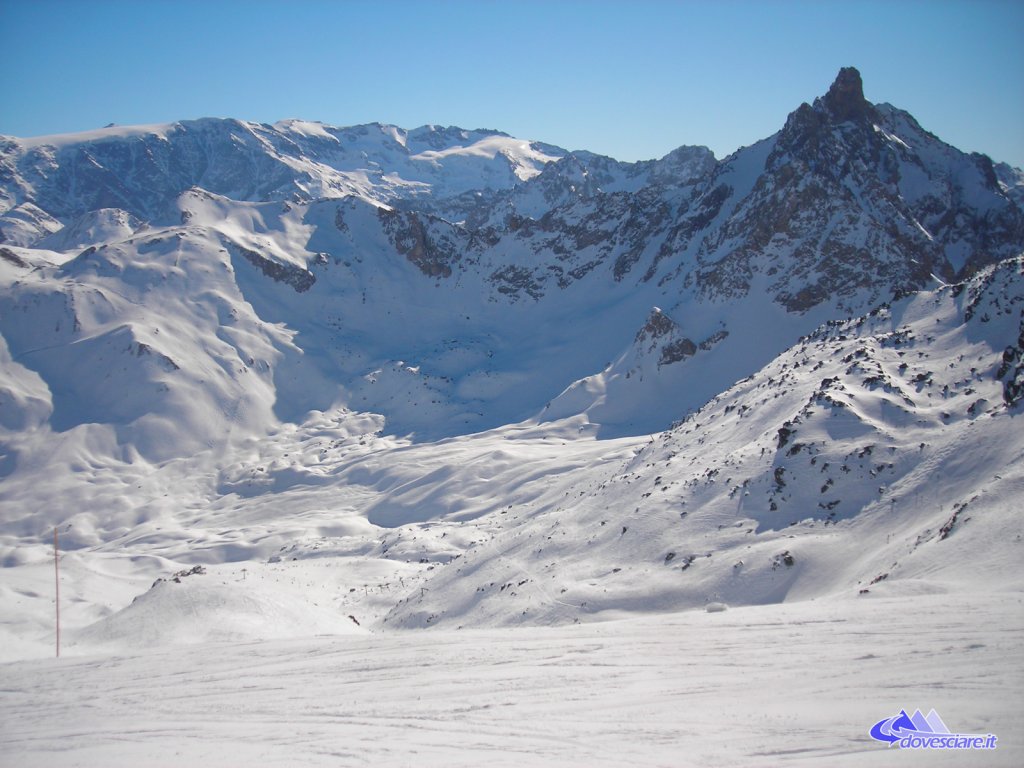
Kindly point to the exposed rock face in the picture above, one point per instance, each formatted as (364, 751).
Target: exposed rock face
(513, 281)
(296, 277)
(850, 197)
(11, 257)
(411, 239)
(661, 333)
(986, 304)
(845, 99)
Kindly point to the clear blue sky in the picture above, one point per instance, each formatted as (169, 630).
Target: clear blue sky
(629, 79)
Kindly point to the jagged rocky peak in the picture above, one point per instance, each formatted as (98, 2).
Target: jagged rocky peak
(843, 104)
(845, 98)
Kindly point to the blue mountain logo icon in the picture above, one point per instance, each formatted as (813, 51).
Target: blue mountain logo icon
(918, 731)
(894, 729)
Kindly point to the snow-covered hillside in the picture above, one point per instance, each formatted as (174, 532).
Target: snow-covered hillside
(881, 447)
(373, 379)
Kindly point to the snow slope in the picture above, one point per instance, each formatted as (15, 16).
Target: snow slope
(885, 446)
(877, 454)
(793, 684)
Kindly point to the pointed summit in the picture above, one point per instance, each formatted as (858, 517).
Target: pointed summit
(845, 99)
(807, 128)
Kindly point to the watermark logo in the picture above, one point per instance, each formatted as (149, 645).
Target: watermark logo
(919, 731)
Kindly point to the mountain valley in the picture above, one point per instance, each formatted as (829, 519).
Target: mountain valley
(371, 379)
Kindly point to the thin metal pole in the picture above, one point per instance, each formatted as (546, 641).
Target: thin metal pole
(56, 579)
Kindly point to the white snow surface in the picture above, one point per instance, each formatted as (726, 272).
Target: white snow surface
(795, 684)
(875, 454)
(61, 140)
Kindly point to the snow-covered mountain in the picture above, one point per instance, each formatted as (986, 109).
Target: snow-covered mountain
(501, 382)
(143, 169)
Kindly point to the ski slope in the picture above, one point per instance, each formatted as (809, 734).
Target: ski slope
(781, 685)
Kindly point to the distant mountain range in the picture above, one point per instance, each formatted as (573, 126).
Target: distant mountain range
(784, 373)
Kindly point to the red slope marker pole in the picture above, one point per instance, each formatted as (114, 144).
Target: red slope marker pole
(56, 581)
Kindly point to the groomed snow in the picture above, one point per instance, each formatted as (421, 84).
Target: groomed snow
(796, 684)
